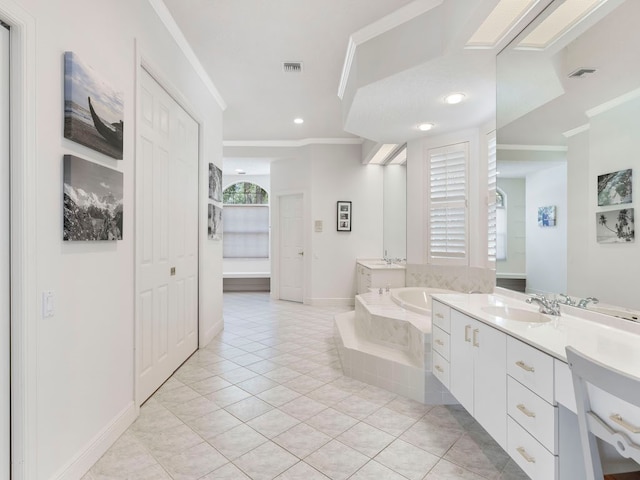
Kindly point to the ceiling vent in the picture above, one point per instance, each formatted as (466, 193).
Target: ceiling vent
(582, 72)
(292, 67)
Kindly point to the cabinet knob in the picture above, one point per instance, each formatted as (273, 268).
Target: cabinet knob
(475, 338)
(467, 329)
(524, 366)
(440, 342)
(525, 455)
(439, 368)
(525, 410)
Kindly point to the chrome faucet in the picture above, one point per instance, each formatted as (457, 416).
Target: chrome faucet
(548, 307)
(585, 301)
(566, 299)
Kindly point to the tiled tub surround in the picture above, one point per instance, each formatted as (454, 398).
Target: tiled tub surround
(385, 345)
(450, 277)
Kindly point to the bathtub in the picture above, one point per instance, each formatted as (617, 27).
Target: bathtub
(416, 299)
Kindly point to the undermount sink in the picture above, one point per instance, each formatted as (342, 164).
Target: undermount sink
(516, 314)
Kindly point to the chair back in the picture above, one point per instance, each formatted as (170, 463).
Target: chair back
(608, 405)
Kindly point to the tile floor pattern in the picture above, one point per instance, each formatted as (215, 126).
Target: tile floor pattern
(267, 399)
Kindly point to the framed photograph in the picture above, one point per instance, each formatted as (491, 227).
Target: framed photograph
(93, 110)
(344, 216)
(547, 216)
(214, 219)
(215, 183)
(615, 226)
(92, 201)
(615, 188)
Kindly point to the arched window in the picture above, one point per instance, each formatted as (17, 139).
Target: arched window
(246, 221)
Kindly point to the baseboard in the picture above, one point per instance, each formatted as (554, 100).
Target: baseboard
(212, 333)
(97, 447)
(330, 302)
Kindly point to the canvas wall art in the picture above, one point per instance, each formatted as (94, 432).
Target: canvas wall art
(615, 188)
(547, 216)
(615, 226)
(93, 110)
(93, 201)
(215, 183)
(214, 222)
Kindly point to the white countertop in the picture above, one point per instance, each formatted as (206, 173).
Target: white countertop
(379, 264)
(610, 340)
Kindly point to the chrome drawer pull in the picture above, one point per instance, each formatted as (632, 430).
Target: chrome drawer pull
(439, 315)
(439, 368)
(524, 410)
(466, 333)
(475, 338)
(525, 455)
(524, 366)
(440, 342)
(623, 423)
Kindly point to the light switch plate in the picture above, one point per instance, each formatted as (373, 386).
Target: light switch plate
(318, 225)
(47, 304)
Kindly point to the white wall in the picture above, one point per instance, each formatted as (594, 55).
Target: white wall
(546, 247)
(326, 174)
(239, 268)
(395, 211)
(606, 271)
(515, 263)
(85, 354)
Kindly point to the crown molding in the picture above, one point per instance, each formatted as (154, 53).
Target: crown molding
(576, 131)
(613, 103)
(533, 148)
(383, 25)
(292, 143)
(169, 22)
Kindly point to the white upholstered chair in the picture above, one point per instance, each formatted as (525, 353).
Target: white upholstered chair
(608, 404)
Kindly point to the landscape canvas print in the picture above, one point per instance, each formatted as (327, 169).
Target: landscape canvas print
(615, 188)
(93, 110)
(215, 222)
(92, 201)
(215, 183)
(615, 226)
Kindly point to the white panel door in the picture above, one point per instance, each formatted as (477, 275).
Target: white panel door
(167, 237)
(291, 248)
(5, 279)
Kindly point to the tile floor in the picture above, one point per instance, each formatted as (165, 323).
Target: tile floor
(267, 399)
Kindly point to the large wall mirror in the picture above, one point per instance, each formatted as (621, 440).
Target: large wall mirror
(394, 215)
(568, 134)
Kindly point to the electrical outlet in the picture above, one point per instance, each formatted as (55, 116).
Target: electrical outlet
(47, 304)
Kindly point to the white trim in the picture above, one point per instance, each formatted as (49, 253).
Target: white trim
(174, 30)
(293, 143)
(330, 302)
(383, 25)
(615, 102)
(517, 276)
(576, 131)
(246, 274)
(98, 445)
(24, 213)
(533, 148)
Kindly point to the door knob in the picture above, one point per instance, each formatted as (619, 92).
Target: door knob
(301, 253)
(173, 271)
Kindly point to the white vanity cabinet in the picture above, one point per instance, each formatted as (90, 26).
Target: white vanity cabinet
(379, 276)
(477, 370)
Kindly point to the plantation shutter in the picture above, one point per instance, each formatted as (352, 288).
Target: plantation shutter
(246, 231)
(448, 204)
(492, 220)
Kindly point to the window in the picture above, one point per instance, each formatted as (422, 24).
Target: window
(492, 196)
(501, 225)
(447, 211)
(246, 221)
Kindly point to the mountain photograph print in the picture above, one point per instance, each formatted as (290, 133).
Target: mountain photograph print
(92, 201)
(93, 110)
(615, 188)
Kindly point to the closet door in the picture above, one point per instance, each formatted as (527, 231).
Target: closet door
(166, 237)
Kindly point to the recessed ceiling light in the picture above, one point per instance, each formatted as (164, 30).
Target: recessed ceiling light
(454, 98)
(568, 14)
(298, 121)
(424, 127)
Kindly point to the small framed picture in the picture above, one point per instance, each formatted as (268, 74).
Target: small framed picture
(344, 216)
(547, 216)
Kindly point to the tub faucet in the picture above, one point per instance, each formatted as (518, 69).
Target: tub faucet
(548, 307)
(585, 301)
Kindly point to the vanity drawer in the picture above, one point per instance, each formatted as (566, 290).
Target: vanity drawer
(441, 369)
(534, 414)
(536, 461)
(440, 342)
(441, 315)
(531, 367)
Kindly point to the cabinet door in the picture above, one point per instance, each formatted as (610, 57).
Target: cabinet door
(490, 380)
(461, 360)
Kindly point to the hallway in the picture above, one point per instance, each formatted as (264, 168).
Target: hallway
(267, 399)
